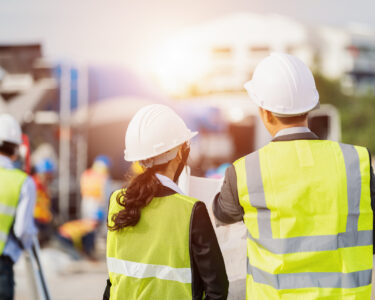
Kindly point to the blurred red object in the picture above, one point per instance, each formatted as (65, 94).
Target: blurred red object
(353, 50)
(25, 153)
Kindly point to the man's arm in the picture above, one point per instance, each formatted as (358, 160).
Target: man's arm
(226, 205)
(24, 228)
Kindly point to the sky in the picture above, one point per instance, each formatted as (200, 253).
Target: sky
(124, 31)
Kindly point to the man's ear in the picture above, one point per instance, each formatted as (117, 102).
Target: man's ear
(262, 113)
(270, 117)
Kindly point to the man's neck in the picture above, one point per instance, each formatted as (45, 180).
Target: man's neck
(280, 127)
(292, 130)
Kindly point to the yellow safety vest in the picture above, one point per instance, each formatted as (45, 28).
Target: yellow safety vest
(151, 260)
(307, 208)
(42, 210)
(11, 182)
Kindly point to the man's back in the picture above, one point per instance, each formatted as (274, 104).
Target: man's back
(307, 206)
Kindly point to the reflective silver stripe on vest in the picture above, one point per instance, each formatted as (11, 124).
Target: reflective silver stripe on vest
(140, 270)
(353, 177)
(351, 238)
(316, 242)
(7, 210)
(3, 236)
(256, 194)
(311, 279)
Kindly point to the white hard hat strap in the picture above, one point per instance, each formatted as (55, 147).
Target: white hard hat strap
(185, 155)
(160, 159)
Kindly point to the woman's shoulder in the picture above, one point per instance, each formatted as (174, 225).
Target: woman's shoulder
(186, 198)
(117, 192)
(114, 206)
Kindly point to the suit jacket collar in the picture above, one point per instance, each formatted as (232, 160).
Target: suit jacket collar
(296, 136)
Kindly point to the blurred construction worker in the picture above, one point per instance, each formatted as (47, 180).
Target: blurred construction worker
(17, 200)
(80, 235)
(161, 243)
(43, 177)
(306, 202)
(95, 189)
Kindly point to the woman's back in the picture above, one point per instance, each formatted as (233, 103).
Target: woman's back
(151, 260)
(161, 244)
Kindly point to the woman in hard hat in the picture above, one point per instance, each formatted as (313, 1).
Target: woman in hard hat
(161, 243)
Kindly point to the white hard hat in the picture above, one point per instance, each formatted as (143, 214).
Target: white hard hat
(283, 85)
(10, 130)
(154, 130)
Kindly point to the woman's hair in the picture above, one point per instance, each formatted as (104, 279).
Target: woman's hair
(141, 190)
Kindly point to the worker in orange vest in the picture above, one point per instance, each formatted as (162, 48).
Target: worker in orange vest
(79, 235)
(43, 176)
(95, 189)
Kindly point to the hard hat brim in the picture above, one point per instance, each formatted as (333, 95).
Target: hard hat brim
(249, 88)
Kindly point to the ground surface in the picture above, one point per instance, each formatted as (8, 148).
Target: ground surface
(79, 280)
(83, 280)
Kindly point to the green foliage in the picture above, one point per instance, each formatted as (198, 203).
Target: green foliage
(357, 112)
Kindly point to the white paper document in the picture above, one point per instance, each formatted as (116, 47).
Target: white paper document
(232, 238)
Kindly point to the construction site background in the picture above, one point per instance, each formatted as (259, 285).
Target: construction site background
(72, 111)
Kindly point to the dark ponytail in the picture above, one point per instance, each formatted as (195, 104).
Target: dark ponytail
(141, 190)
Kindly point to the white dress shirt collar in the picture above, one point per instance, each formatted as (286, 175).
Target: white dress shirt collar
(166, 181)
(292, 130)
(5, 162)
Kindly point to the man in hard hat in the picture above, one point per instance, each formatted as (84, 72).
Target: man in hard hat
(306, 202)
(95, 189)
(17, 200)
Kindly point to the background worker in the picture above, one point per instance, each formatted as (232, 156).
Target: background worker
(43, 177)
(17, 200)
(96, 189)
(161, 243)
(79, 237)
(305, 202)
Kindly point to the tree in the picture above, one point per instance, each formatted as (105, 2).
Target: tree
(357, 112)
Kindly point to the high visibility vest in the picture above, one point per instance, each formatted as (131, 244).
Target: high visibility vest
(151, 260)
(307, 208)
(42, 210)
(11, 182)
(92, 184)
